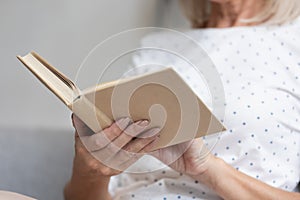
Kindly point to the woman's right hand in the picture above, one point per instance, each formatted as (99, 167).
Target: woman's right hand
(112, 150)
(98, 156)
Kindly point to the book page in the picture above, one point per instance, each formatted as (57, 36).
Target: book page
(60, 85)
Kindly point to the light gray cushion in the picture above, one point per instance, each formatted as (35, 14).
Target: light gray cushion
(36, 163)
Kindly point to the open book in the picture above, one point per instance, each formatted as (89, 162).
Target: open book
(162, 97)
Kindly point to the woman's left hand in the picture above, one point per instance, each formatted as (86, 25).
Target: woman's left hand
(193, 158)
(188, 157)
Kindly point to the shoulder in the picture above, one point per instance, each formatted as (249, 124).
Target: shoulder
(168, 38)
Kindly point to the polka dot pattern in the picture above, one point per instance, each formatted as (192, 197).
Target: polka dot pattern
(260, 72)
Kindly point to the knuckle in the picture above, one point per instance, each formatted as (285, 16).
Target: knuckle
(126, 137)
(94, 168)
(97, 142)
(111, 149)
(100, 141)
(132, 130)
(139, 145)
(142, 143)
(93, 165)
(80, 150)
(129, 149)
(148, 147)
(106, 171)
(114, 131)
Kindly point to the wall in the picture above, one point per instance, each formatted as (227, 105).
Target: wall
(63, 32)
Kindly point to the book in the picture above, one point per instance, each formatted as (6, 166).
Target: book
(161, 96)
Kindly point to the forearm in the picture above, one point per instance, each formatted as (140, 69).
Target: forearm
(229, 183)
(80, 188)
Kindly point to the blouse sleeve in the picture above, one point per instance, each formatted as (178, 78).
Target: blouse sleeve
(157, 52)
(153, 54)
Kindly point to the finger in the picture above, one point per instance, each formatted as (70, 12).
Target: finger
(123, 166)
(129, 151)
(150, 133)
(136, 156)
(80, 148)
(116, 128)
(129, 133)
(135, 148)
(77, 122)
(72, 117)
(76, 134)
(103, 155)
(113, 147)
(120, 157)
(140, 143)
(95, 142)
(155, 154)
(100, 140)
(80, 126)
(149, 148)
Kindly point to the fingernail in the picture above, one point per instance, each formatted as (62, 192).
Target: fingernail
(150, 133)
(143, 123)
(123, 122)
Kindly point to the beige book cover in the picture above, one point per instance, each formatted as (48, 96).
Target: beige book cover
(162, 97)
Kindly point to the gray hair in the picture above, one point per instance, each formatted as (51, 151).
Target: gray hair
(274, 12)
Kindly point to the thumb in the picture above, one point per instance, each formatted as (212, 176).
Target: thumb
(81, 128)
(155, 154)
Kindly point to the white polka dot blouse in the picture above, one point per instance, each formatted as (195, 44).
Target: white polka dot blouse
(259, 68)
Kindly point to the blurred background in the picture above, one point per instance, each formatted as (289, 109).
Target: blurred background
(36, 135)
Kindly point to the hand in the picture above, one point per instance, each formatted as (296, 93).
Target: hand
(112, 150)
(189, 157)
(101, 155)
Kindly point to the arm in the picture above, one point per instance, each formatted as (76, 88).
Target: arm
(85, 188)
(229, 183)
(80, 188)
